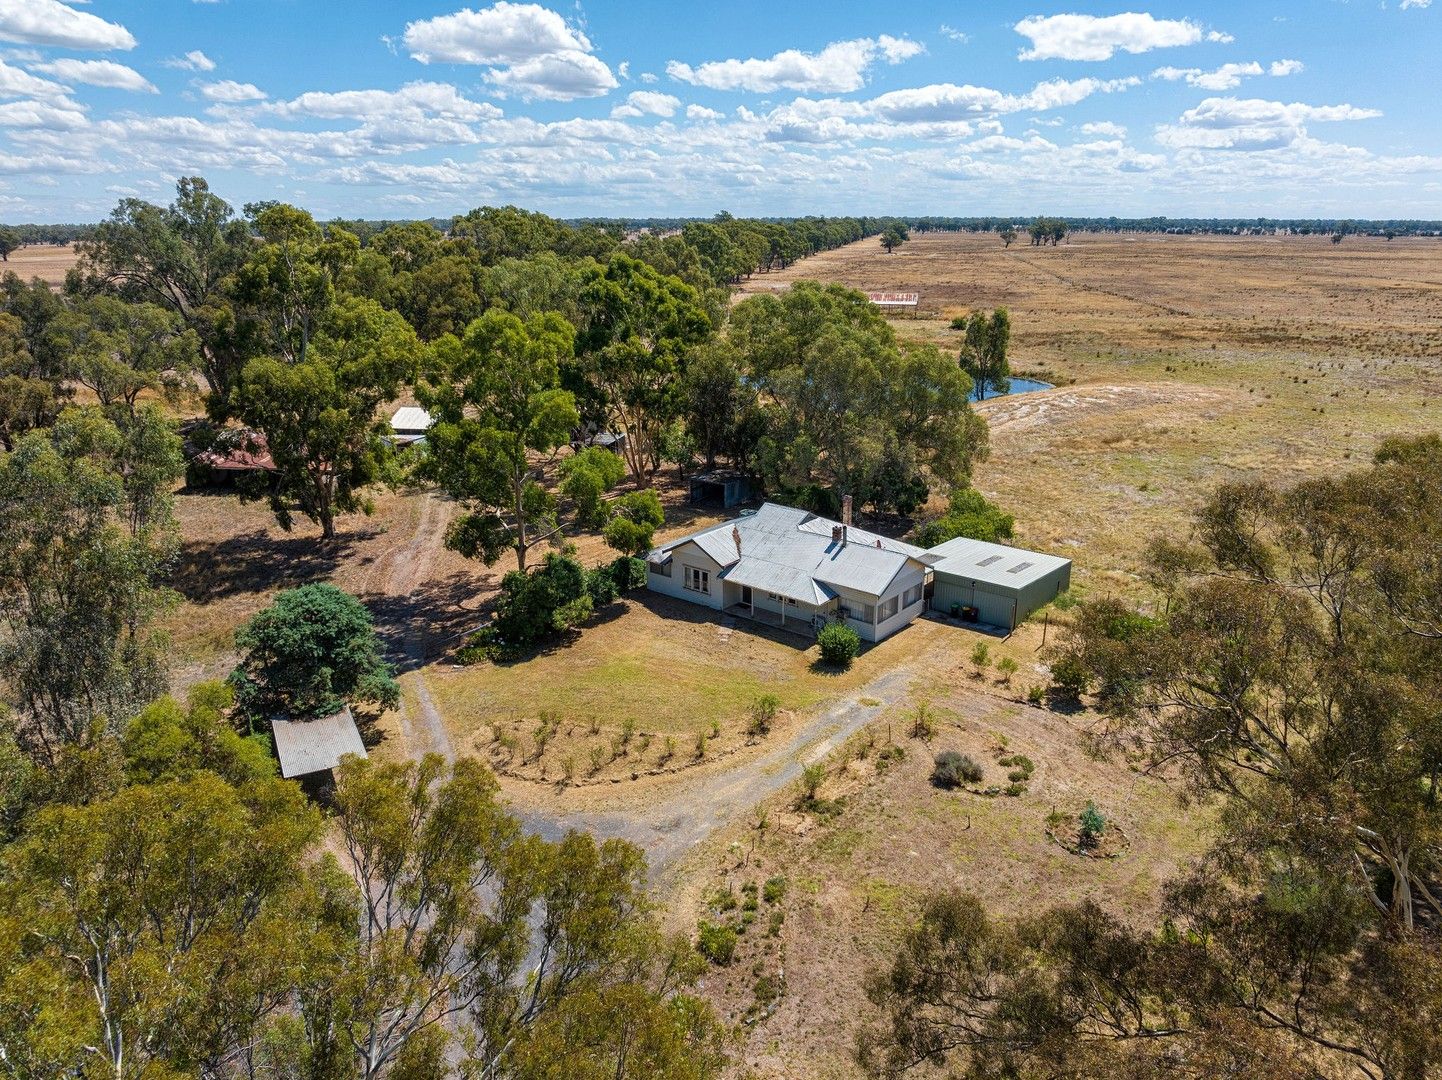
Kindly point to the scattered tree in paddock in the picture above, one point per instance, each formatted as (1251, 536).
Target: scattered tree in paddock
(983, 352)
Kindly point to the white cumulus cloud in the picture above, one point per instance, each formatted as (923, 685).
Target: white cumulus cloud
(1282, 68)
(17, 83)
(837, 69)
(1252, 124)
(49, 22)
(195, 60)
(1104, 127)
(230, 92)
(530, 50)
(647, 103)
(106, 73)
(1092, 37)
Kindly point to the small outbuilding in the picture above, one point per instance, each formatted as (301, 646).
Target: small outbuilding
(725, 488)
(312, 746)
(410, 424)
(992, 584)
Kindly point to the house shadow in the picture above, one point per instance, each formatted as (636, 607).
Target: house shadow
(255, 561)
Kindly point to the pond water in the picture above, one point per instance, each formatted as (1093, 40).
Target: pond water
(1018, 386)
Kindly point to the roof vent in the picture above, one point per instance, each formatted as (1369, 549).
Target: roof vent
(989, 560)
(1019, 567)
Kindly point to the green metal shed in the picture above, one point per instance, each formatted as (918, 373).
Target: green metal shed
(994, 584)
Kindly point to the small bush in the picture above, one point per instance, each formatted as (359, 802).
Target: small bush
(839, 645)
(1070, 678)
(952, 769)
(774, 891)
(981, 655)
(763, 712)
(959, 322)
(1006, 667)
(812, 777)
(715, 942)
(1014, 790)
(923, 721)
(1036, 694)
(1090, 826)
(777, 920)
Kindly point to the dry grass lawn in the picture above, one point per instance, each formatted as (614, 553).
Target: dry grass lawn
(855, 882)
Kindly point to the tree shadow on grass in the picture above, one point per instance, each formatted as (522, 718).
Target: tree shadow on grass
(256, 561)
(427, 623)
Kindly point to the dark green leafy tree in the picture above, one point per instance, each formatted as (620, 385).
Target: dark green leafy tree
(638, 330)
(638, 515)
(319, 414)
(497, 400)
(983, 354)
(312, 651)
(181, 257)
(716, 400)
(9, 241)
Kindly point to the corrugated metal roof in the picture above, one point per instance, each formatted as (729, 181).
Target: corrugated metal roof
(790, 552)
(994, 564)
(311, 746)
(411, 418)
(787, 581)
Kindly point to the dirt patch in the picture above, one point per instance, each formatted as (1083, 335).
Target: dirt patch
(1010, 417)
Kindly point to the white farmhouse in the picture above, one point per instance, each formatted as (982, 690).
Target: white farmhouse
(789, 568)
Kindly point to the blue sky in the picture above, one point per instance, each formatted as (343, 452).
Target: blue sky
(393, 108)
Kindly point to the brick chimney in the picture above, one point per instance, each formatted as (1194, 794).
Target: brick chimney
(846, 509)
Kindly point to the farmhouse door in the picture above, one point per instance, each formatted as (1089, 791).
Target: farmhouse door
(746, 595)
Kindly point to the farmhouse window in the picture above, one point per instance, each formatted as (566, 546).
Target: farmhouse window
(660, 569)
(913, 596)
(698, 580)
(861, 613)
(888, 609)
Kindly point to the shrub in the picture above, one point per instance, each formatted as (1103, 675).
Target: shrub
(774, 890)
(812, 777)
(715, 942)
(970, 515)
(778, 918)
(839, 645)
(952, 769)
(585, 477)
(1014, 789)
(1007, 667)
(959, 322)
(1036, 693)
(763, 712)
(539, 604)
(313, 650)
(981, 655)
(1069, 677)
(1090, 824)
(628, 572)
(923, 721)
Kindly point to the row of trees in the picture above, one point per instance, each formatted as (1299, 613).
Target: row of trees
(1290, 668)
